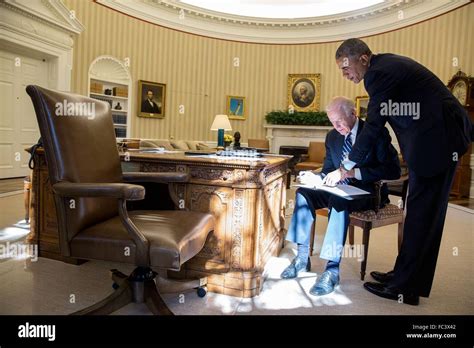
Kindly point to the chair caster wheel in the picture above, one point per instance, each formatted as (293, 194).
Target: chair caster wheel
(115, 286)
(201, 291)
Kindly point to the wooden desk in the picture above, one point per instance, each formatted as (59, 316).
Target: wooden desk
(247, 199)
(43, 219)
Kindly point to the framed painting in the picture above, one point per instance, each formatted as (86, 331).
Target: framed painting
(362, 103)
(236, 108)
(151, 99)
(304, 91)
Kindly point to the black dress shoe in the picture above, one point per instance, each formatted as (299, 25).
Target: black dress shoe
(295, 266)
(392, 294)
(325, 284)
(381, 277)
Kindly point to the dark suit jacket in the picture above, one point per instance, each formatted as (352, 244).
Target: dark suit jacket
(146, 107)
(381, 161)
(428, 143)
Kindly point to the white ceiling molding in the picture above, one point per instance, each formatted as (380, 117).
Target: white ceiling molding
(383, 17)
(51, 12)
(282, 8)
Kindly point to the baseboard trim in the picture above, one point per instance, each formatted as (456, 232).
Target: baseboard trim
(459, 207)
(12, 193)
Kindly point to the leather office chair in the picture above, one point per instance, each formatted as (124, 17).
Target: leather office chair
(259, 143)
(369, 219)
(314, 159)
(91, 192)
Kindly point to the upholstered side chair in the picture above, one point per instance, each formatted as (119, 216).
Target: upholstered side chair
(263, 144)
(371, 219)
(314, 159)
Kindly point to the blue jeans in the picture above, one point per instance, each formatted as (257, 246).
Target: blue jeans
(306, 203)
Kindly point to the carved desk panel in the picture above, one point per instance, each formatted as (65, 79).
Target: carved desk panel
(247, 199)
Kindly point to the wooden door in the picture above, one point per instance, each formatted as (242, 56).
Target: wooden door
(18, 125)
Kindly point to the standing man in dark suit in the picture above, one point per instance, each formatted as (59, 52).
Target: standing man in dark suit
(381, 162)
(149, 106)
(433, 131)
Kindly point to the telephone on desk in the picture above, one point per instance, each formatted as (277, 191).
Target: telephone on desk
(242, 152)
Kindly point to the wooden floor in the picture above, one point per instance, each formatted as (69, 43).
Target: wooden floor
(11, 185)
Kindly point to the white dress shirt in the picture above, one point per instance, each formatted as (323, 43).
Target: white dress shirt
(353, 135)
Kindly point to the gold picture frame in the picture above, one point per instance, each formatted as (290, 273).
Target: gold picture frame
(362, 104)
(236, 108)
(304, 92)
(154, 108)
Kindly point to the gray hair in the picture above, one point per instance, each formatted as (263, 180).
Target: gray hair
(353, 48)
(341, 104)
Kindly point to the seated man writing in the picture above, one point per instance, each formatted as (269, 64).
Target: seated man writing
(381, 163)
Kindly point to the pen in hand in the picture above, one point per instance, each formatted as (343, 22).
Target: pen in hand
(330, 179)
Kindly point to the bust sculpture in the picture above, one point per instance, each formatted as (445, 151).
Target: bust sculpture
(236, 139)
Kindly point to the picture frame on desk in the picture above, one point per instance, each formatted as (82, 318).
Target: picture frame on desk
(362, 104)
(151, 99)
(236, 108)
(304, 92)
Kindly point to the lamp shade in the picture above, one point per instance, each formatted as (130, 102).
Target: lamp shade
(221, 122)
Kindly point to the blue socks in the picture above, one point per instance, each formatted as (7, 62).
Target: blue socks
(303, 252)
(333, 267)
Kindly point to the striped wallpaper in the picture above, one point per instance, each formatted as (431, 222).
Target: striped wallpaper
(199, 72)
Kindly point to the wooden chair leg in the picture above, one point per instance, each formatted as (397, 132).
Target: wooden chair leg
(132, 289)
(170, 286)
(400, 235)
(27, 190)
(154, 301)
(351, 236)
(295, 173)
(365, 242)
(117, 276)
(321, 212)
(122, 296)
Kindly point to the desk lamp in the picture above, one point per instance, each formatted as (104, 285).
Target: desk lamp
(221, 123)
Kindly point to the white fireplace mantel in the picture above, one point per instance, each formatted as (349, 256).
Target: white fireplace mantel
(285, 135)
